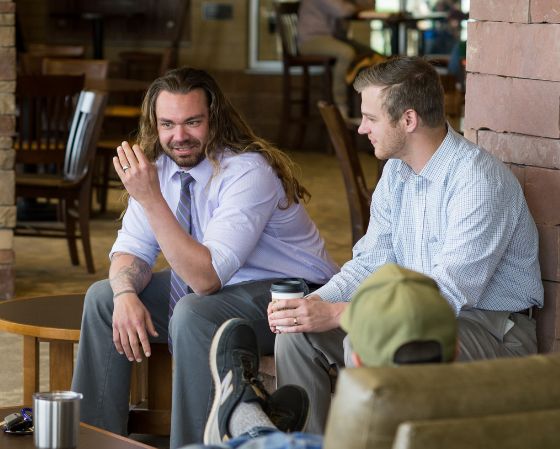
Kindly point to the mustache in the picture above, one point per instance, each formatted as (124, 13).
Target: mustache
(184, 143)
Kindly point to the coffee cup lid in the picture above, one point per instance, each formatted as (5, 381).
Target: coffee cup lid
(287, 286)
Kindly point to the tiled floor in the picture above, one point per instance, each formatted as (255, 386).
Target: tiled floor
(43, 266)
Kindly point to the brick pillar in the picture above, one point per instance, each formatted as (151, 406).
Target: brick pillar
(513, 109)
(7, 128)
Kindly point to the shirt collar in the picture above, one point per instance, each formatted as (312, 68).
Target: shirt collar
(442, 158)
(438, 163)
(202, 172)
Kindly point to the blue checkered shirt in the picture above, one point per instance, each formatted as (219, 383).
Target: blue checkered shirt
(463, 220)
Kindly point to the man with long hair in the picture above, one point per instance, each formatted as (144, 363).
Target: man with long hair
(443, 207)
(224, 208)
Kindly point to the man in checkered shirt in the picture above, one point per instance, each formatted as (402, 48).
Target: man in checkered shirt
(443, 207)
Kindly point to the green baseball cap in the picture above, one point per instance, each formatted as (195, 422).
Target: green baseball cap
(395, 306)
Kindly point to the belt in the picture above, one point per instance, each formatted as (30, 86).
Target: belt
(528, 312)
(312, 287)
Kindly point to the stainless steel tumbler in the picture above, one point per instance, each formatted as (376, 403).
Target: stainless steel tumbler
(56, 417)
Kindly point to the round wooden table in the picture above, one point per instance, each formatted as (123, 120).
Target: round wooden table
(55, 319)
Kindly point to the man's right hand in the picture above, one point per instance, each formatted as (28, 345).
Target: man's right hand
(131, 324)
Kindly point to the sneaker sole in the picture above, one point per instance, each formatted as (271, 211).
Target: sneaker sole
(212, 429)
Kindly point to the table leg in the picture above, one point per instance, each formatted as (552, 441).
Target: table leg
(61, 364)
(30, 368)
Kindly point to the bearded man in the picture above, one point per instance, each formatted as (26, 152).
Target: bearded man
(224, 208)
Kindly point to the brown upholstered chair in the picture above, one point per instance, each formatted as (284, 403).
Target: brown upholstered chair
(482, 404)
(357, 192)
(298, 94)
(72, 186)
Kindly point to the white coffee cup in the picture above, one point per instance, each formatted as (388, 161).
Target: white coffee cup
(56, 417)
(286, 289)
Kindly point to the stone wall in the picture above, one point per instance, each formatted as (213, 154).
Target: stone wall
(7, 127)
(513, 109)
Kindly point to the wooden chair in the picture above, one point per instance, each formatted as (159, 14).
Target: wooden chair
(31, 62)
(286, 19)
(72, 187)
(45, 106)
(66, 51)
(150, 398)
(357, 192)
(91, 68)
(94, 69)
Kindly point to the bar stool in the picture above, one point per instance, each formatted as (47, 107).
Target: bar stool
(286, 19)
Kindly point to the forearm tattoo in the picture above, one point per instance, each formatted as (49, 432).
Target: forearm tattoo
(133, 277)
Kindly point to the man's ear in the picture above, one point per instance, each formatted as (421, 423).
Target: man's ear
(356, 360)
(410, 120)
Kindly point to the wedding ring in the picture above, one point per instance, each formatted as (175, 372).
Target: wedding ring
(296, 322)
(125, 167)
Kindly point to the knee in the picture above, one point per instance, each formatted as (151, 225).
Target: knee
(192, 315)
(187, 309)
(99, 298)
(345, 55)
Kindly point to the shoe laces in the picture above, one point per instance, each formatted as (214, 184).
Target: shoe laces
(252, 378)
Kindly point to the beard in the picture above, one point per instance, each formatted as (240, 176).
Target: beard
(193, 147)
(391, 146)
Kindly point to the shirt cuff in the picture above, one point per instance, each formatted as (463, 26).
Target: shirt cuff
(224, 262)
(330, 293)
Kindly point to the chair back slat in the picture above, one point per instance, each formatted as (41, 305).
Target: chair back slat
(31, 61)
(357, 192)
(84, 134)
(45, 107)
(91, 68)
(66, 51)
(287, 21)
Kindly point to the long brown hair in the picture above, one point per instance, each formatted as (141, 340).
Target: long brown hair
(227, 129)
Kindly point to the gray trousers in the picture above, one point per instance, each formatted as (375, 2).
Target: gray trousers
(102, 375)
(309, 360)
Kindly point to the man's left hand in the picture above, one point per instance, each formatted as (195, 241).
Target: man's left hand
(310, 314)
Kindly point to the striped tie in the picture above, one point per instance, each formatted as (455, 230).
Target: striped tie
(183, 213)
